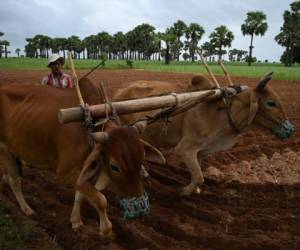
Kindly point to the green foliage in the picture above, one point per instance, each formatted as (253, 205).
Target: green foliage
(289, 35)
(193, 35)
(103, 58)
(129, 64)
(252, 59)
(3, 46)
(178, 29)
(11, 234)
(221, 37)
(254, 24)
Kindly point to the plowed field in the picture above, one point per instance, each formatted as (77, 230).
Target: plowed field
(250, 200)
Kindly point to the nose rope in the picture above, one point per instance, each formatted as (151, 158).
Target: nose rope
(135, 207)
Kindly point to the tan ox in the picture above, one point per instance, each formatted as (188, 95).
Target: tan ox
(29, 130)
(206, 128)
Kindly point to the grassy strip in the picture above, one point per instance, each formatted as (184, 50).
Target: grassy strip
(235, 69)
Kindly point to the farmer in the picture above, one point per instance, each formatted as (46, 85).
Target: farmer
(57, 78)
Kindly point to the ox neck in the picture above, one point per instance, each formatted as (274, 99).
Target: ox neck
(242, 110)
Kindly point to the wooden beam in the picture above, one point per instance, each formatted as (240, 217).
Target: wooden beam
(139, 105)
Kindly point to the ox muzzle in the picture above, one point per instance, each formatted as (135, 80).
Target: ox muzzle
(136, 207)
(284, 130)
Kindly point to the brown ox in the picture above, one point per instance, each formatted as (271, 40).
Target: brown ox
(29, 130)
(205, 128)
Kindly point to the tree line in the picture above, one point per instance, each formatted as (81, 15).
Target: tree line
(181, 40)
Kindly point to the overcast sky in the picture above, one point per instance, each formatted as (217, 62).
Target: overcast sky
(62, 18)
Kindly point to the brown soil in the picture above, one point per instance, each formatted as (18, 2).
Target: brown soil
(250, 200)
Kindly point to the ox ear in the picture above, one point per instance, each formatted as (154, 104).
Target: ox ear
(263, 82)
(90, 166)
(152, 154)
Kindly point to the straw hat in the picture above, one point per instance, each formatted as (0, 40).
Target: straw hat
(55, 57)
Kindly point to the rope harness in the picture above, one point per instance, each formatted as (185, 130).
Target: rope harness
(181, 107)
(102, 64)
(227, 99)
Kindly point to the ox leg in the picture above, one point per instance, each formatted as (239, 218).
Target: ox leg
(12, 177)
(99, 202)
(75, 218)
(189, 157)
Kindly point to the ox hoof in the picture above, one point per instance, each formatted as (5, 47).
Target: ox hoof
(28, 211)
(190, 189)
(76, 226)
(197, 190)
(187, 191)
(107, 236)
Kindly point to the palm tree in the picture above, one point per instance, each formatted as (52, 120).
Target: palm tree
(254, 24)
(74, 45)
(104, 41)
(119, 45)
(239, 55)
(31, 48)
(131, 45)
(193, 34)
(1, 47)
(43, 43)
(221, 37)
(208, 50)
(158, 40)
(231, 55)
(178, 28)
(17, 51)
(141, 40)
(90, 43)
(169, 38)
(5, 43)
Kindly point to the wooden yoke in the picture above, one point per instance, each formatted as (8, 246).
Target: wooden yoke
(75, 78)
(132, 106)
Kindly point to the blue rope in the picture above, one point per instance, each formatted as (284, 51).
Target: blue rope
(284, 130)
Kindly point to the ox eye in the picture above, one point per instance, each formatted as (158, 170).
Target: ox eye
(271, 103)
(114, 168)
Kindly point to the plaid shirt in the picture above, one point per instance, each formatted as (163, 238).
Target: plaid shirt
(65, 81)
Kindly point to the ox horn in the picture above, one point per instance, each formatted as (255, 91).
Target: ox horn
(140, 126)
(199, 51)
(263, 82)
(100, 137)
(226, 73)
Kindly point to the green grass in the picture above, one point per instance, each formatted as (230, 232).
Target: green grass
(235, 69)
(11, 235)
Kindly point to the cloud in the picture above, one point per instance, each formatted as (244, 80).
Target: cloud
(25, 18)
